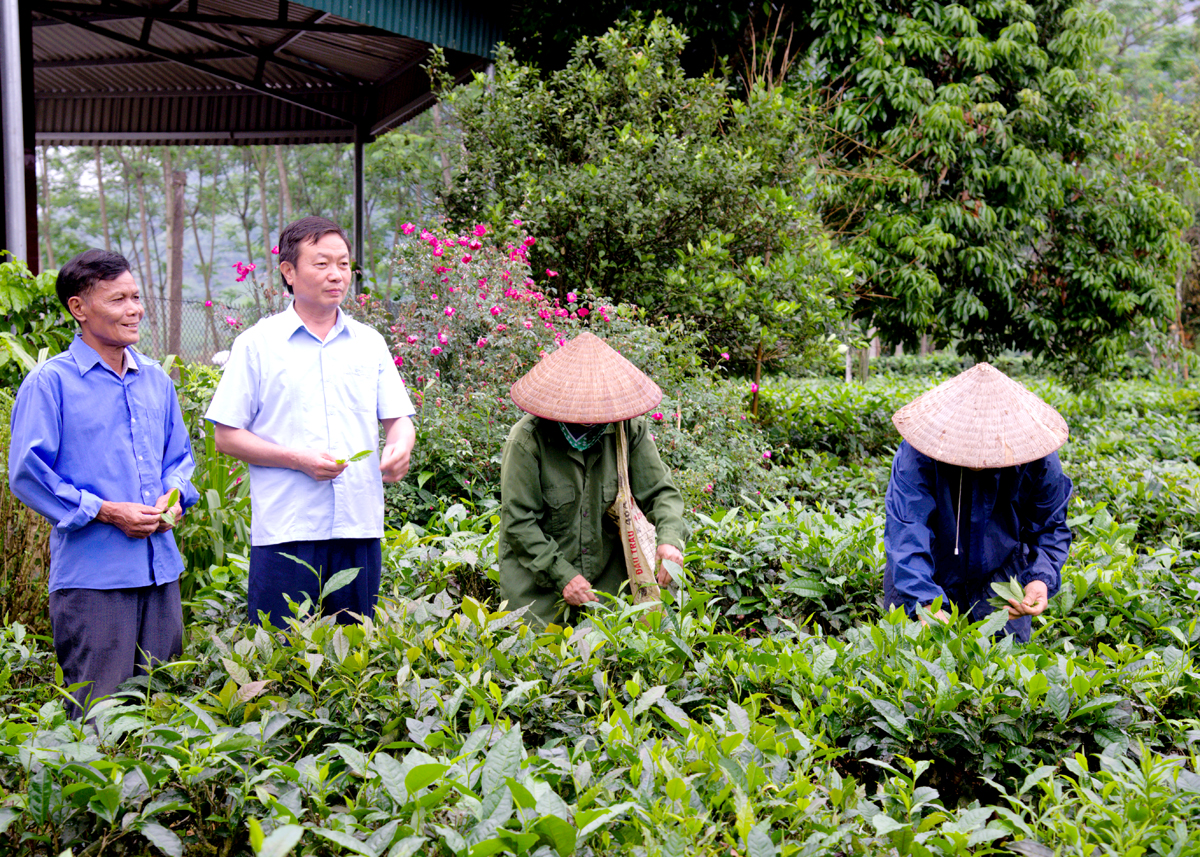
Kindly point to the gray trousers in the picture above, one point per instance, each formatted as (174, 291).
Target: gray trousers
(107, 636)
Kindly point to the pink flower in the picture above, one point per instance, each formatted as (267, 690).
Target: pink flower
(561, 313)
(433, 298)
(230, 320)
(412, 337)
(767, 455)
(407, 228)
(483, 281)
(426, 235)
(550, 273)
(399, 361)
(657, 416)
(475, 244)
(449, 311)
(495, 310)
(603, 316)
(571, 297)
(501, 327)
(437, 251)
(528, 324)
(708, 489)
(480, 230)
(443, 337)
(275, 250)
(529, 241)
(466, 259)
(516, 222)
(583, 311)
(753, 387)
(436, 350)
(549, 325)
(208, 303)
(481, 342)
(441, 269)
(724, 355)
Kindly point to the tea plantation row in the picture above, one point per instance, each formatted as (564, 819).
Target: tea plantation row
(772, 708)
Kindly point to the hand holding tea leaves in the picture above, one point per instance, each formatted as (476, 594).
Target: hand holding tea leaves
(169, 510)
(1030, 600)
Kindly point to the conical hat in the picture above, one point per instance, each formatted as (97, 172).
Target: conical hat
(586, 382)
(981, 418)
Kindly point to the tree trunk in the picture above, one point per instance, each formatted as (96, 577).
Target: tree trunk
(103, 202)
(285, 190)
(46, 222)
(175, 263)
(148, 273)
(437, 130)
(260, 163)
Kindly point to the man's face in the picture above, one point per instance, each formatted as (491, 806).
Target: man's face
(110, 311)
(321, 275)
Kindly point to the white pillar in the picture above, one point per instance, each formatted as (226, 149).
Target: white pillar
(12, 133)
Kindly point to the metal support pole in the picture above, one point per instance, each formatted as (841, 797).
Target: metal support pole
(12, 135)
(359, 210)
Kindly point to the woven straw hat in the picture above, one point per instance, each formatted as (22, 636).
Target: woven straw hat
(586, 382)
(981, 418)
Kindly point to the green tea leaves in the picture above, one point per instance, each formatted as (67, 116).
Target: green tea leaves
(166, 516)
(1006, 590)
(358, 456)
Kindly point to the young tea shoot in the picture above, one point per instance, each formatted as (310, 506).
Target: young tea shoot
(166, 515)
(1009, 589)
(358, 456)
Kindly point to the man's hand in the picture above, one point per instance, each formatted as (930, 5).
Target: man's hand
(667, 552)
(394, 463)
(579, 592)
(399, 436)
(320, 466)
(1035, 602)
(176, 511)
(941, 616)
(133, 519)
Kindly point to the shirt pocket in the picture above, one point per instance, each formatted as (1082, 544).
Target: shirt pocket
(355, 388)
(560, 508)
(150, 428)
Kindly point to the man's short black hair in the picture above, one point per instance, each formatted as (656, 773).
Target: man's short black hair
(303, 231)
(88, 268)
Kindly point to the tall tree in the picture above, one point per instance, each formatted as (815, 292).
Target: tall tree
(996, 194)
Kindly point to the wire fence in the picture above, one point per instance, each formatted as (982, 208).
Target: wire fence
(193, 330)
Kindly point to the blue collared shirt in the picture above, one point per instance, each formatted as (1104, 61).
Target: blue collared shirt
(1007, 522)
(291, 388)
(82, 434)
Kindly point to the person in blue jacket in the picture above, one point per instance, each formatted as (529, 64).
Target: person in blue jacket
(977, 495)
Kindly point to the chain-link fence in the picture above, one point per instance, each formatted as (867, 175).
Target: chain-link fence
(193, 330)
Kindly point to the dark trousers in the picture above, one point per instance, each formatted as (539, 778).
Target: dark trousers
(274, 573)
(106, 636)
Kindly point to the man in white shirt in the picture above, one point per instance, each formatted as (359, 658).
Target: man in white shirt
(302, 393)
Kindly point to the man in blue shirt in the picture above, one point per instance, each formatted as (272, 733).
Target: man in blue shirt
(98, 446)
(303, 392)
(977, 496)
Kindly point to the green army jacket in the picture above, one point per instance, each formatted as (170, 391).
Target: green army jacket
(553, 524)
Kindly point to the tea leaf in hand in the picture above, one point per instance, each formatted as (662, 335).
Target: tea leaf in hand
(1009, 589)
(165, 515)
(359, 456)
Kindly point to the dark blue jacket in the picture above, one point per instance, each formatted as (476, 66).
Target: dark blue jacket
(1008, 522)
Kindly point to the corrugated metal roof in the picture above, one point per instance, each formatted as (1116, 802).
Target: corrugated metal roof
(455, 24)
(228, 73)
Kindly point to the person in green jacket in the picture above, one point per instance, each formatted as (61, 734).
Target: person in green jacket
(558, 478)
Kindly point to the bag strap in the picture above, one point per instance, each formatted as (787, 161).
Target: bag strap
(623, 462)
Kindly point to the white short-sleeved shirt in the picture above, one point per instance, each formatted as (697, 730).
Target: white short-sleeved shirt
(288, 387)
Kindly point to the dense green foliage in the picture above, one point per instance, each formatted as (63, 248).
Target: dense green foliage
(772, 708)
(999, 196)
(655, 188)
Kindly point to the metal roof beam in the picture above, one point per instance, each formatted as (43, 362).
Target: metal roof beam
(95, 62)
(171, 17)
(223, 75)
(52, 9)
